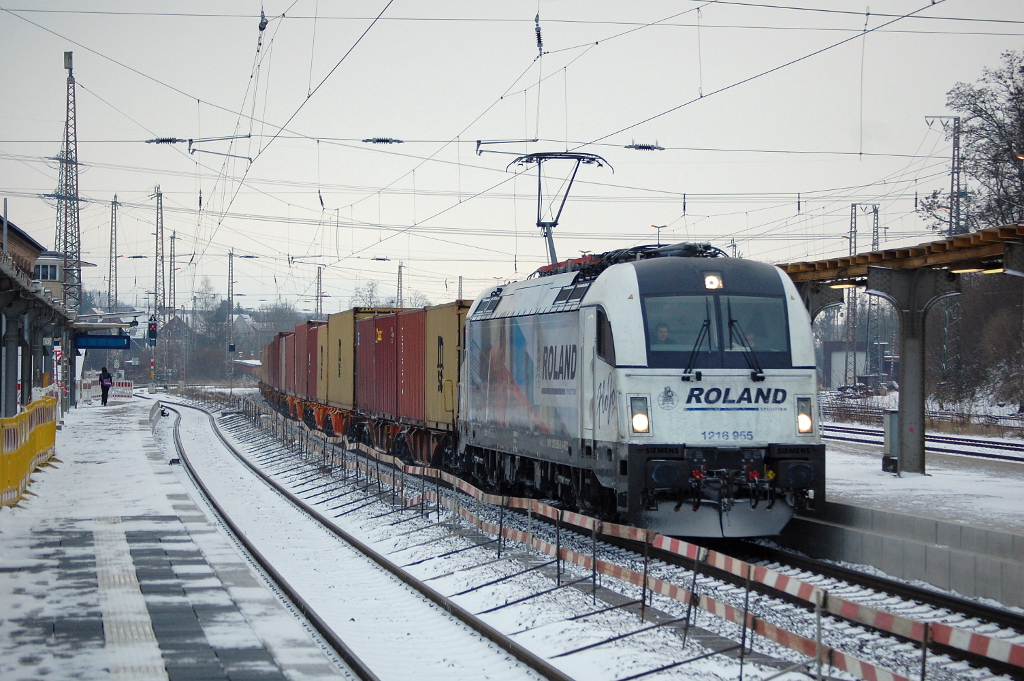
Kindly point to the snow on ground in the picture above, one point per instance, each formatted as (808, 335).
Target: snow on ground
(108, 467)
(545, 625)
(979, 492)
(371, 610)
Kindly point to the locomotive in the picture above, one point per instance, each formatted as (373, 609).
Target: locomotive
(670, 387)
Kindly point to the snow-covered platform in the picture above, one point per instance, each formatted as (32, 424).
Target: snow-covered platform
(114, 568)
(960, 527)
(981, 493)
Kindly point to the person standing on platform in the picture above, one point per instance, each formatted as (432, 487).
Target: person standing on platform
(106, 380)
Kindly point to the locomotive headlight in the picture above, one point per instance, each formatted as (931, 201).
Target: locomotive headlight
(804, 418)
(639, 420)
(713, 280)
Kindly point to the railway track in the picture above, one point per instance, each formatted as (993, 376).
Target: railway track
(533, 664)
(781, 609)
(896, 597)
(357, 666)
(944, 444)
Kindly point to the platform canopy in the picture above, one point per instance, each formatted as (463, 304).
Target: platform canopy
(913, 279)
(991, 250)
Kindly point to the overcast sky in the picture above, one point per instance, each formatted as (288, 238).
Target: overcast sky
(772, 162)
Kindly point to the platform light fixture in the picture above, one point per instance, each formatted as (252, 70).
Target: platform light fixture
(843, 284)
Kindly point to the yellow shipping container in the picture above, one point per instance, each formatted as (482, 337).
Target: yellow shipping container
(338, 351)
(443, 347)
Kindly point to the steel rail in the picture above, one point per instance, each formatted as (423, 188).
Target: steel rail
(535, 662)
(736, 548)
(938, 599)
(900, 589)
(948, 439)
(339, 646)
(874, 435)
(889, 586)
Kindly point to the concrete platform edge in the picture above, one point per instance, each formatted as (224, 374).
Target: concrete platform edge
(971, 561)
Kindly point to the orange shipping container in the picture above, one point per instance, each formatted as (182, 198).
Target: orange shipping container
(442, 352)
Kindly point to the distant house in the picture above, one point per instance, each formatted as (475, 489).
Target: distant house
(243, 323)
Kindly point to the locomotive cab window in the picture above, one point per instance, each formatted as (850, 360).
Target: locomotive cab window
(717, 331)
(605, 342)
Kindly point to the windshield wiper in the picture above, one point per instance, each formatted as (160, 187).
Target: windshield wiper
(705, 332)
(756, 372)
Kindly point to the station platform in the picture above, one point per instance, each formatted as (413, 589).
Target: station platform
(113, 567)
(959, 527)
(976, 492)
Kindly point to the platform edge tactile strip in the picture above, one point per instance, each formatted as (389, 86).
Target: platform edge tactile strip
(127, 628)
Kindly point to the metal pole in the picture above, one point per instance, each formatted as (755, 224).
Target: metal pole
(558, 546)
(743, 633)
(924, 649)
(643, 597)
(818, 597)
(501, 526)
(693, 593)
(231, 321)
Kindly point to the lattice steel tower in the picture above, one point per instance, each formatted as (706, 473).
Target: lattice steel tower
(872, 334)
(951, 360)
(231, 316)
(112, 276)
(320, 293)
(160, 281)
(850, 370)
(68, 241)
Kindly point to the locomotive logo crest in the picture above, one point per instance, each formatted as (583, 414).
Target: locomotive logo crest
(668, 399)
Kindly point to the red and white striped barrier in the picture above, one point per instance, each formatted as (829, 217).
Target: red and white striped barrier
(122, 389)
(979, 644)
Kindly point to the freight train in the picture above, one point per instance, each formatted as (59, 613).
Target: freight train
(670, 387)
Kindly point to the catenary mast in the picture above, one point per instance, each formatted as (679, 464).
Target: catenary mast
(69, 235)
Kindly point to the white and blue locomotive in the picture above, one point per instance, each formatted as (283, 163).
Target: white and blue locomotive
(668, 387)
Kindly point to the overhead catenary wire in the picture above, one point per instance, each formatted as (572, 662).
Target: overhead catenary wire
(287, 200)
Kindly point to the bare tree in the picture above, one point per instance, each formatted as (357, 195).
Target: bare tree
(992, 148)
(368, 295)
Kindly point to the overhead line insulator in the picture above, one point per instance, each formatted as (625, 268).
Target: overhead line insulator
(540, 40)
(645, 147)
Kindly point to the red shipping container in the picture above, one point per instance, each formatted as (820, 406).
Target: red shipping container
(385, 365)
(297, 387)
(266, 359)
(271, 373)
(273, 354)
(312, 358)
(365, 374)
(281, 360)
(287, 383)
(410, 368)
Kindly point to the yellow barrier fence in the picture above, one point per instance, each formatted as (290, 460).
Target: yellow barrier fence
(28, 441)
